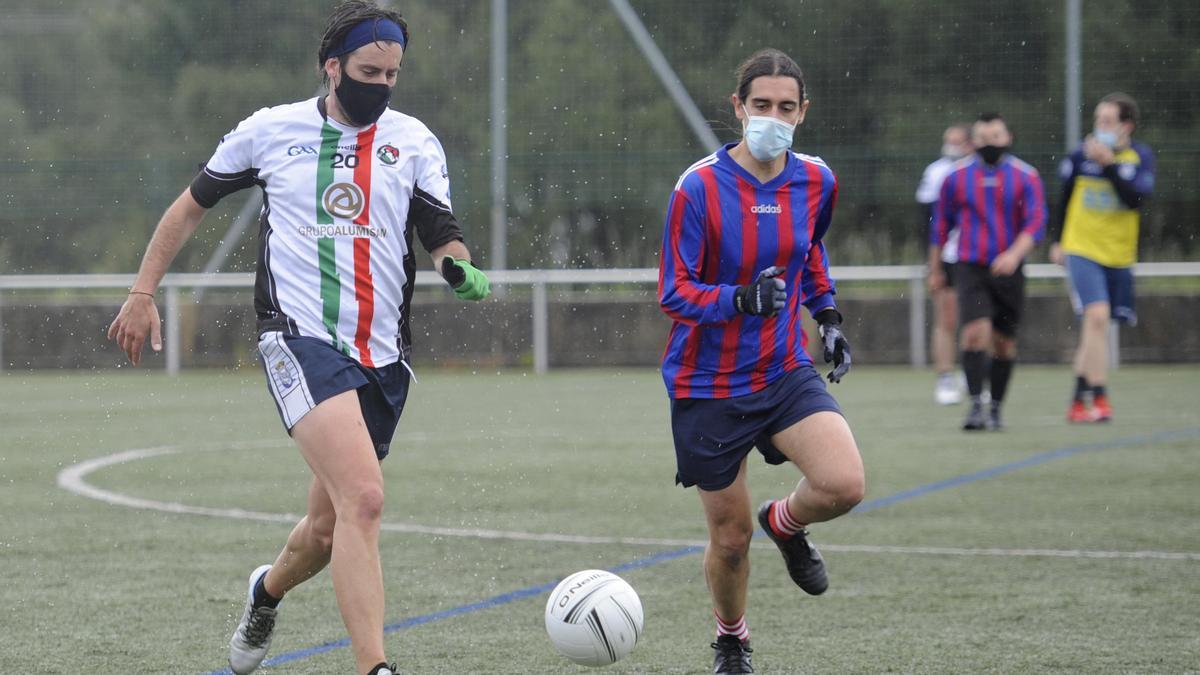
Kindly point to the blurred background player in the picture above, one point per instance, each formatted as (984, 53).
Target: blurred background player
(335, 271)
(1105, 183)
(999, 206)
(956, 144)
(742, 251)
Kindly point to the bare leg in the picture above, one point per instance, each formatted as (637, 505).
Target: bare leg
(945, 307)
(1091, 358)
(726, 559)
(823, 448)
(977, 335)
(334, 441)
(308, 546)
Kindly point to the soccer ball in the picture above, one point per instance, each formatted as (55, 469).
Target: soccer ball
(594, 618)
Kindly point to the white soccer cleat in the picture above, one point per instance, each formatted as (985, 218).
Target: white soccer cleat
(948, 390)
(250, 642)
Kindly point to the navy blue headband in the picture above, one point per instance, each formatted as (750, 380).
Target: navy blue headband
(366, 32)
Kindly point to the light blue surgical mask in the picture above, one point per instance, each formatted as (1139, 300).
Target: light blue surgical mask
(1108, 138)
(767, 137)
(953, 151)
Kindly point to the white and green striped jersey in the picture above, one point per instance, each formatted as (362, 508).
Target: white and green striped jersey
(340, 208)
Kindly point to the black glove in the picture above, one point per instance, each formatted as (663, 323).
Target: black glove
(765, 297)
(837, 349)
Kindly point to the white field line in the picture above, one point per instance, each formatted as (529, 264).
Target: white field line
(73, 479)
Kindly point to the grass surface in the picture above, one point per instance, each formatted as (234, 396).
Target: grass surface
(87, 586)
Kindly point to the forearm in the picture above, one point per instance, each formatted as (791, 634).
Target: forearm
(1022, 246)
(935, 257)
(178, 223)
(696, 304)
(1125, 189)
(454, 248)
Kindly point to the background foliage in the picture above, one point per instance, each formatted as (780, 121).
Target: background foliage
(110, 105)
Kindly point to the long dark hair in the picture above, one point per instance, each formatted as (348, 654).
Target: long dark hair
(767, 62)
(349, 14)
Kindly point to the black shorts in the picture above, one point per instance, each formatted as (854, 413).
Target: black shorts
(948, 272)
(303, 371)
(714, 435)
(981, 295)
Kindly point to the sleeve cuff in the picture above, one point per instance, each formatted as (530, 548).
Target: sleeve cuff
(820, 303)
(725, 304)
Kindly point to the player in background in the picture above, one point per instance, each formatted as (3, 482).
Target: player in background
(347, 183)
(1105, 183)
(742, 252)
(956, 144)
(999, 207)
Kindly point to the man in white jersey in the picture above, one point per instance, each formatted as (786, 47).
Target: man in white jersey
(346, 182)
(956, 144)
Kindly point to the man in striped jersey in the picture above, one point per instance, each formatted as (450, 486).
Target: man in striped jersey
(742, 252)
(347, 182)
(999, 207)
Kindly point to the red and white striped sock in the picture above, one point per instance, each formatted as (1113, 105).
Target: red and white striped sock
(781, 519)
(737, 628)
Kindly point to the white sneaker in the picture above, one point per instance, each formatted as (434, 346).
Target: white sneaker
(250, 642)
(948, 390)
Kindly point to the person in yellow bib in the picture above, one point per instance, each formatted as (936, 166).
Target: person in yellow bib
(1105, 183)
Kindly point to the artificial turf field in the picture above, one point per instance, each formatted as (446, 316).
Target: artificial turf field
(1043, 548)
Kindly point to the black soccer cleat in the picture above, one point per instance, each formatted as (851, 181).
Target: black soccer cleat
(977, 419)
(804, 562)
(733, 655)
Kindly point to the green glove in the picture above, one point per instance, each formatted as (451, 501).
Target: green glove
(468, 282)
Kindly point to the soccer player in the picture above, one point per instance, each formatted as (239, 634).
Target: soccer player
(347, 184)
(742, 251)
(956, 144)
(1105, 182)
(999, 207)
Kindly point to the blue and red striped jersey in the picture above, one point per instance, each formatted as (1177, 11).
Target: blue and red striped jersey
(990, 205)
(723, 227)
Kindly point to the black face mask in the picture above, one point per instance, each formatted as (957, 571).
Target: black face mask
(363, 103)
(992, 153)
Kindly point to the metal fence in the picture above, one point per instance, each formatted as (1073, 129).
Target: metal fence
(174, 289)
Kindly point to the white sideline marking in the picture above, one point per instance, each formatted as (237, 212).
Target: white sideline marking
(73, 479)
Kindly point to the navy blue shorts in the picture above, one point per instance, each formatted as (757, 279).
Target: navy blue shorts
(714, 435)
(303, 371)
(1091, 282)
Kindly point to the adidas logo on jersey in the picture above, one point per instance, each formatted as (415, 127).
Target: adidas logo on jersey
(766, 208)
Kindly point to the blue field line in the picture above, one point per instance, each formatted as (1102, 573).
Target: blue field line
(521, 594)
(1044, 457)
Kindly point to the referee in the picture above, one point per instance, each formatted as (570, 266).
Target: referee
(999, 206)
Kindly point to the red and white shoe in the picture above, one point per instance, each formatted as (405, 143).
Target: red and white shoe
(1101, 409)
(1079, 413)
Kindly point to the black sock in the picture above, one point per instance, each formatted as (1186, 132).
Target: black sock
(380, 666)
(1081, 388)
(261, 597)
(1001, 372)
(975, 366)
(1098, 391)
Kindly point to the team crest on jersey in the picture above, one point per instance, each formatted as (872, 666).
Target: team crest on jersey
(343, 200)
(388, 154)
